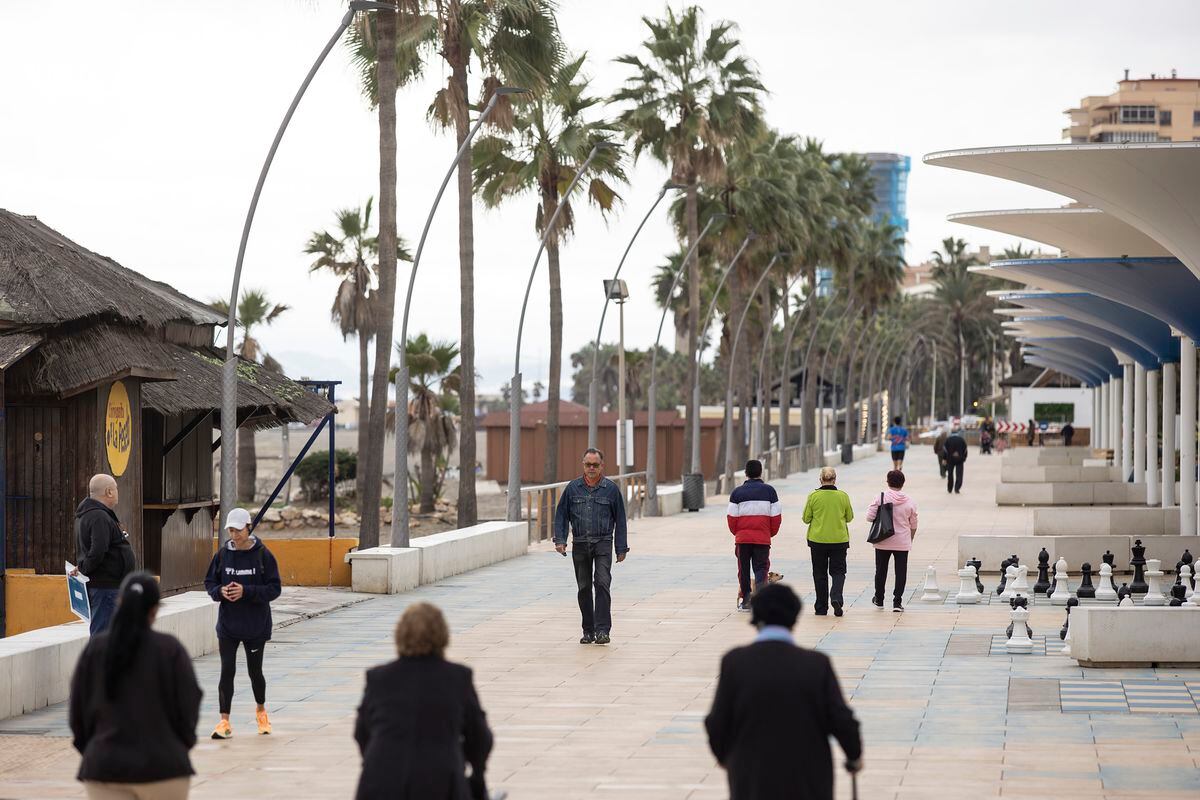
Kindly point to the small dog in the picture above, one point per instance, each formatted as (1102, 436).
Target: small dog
(774, 577)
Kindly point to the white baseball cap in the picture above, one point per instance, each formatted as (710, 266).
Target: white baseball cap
(238, 518)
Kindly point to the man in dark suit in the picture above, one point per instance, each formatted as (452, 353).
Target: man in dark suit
(776, 706)
(955, 451)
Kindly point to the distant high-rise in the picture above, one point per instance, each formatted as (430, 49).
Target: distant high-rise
(890, 171)
(1154, 109)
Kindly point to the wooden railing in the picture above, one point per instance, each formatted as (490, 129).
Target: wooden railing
(542, 501)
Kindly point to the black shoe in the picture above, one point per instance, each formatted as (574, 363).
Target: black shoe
(877, 602)
(821, 612)
(837, 609)
(956, 491)
(897, 606)
(587, 638)
(602, 638)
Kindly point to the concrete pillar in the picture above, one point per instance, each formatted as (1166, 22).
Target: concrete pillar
(1116, 394)
(1139, 424)
(1095, 436)
(1152, 495)
(1127, 383)
(1102, 425)
(1168, 434)
(1187, 436)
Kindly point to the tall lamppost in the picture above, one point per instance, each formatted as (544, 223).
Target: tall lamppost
(593, 401)
(652, 429)
(804, 421)
(765, 404)
(400, 517)
(618, 292)
(514, 400)
(712, 307)
(737, 334)
(229, 423)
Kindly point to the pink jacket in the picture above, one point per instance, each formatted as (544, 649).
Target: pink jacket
(904, 518)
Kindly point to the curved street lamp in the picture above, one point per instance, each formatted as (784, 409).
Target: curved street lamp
(593, 402)
(812, 340)
(229, 370)
(400, 517)
(514, 404)
(838, 333)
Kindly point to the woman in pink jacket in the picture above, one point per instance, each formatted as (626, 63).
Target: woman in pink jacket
(904, 521)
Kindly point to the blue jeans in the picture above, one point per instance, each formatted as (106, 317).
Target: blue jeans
(104, 604)
(593, 567)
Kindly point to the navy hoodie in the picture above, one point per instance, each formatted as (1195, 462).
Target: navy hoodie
(248, 619)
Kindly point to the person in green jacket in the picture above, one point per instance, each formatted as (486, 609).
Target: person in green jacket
(827, 511)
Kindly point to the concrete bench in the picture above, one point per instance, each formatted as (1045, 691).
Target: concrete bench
(670, 500)
(1099, 520)
(1070, 494)
(36, 667)
(1064, 473)
(1138, 636)
(390, 570)
(384, 570)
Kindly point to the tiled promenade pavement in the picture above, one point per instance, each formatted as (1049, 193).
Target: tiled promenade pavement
(942, 718)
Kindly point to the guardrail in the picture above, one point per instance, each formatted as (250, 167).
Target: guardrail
(541, 502)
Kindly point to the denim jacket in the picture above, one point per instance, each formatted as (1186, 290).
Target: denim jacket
(592, 514)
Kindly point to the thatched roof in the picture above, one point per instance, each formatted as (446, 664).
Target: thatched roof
(47, 279)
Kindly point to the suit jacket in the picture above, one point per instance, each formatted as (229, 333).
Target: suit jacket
(776, 707)
(420, 724)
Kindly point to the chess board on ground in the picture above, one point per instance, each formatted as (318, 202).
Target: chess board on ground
(1132, 696)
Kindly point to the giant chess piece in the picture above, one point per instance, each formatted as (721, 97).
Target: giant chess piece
(1138, 563)
(1062, 586)
(1066, 631)
(1178, 595)
(930, 593)
(1154, 593)
(1124, 596)
(1109, 558)
(1042, 585)
(1186, 580)
(1023, 602)
(968, 594)
(1086, 590)
(1071, 603)
(978, 565)
(1105, 590)
(1004, 565)
(1021, 641)
(1009, 583)
(1021, 586)
(1186, 561)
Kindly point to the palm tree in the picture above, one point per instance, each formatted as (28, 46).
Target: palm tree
(963, 299)
(512, 42)
(551, 138)
(434, 381)
(253, 309)
(1016, 253)
(691, 94)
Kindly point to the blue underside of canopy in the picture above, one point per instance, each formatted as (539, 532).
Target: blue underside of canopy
(1073, 327)
(1076, 349)
(1150, 334)
(1074, 370)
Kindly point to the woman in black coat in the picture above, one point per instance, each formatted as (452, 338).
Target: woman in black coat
(134, 703)
(420, 723)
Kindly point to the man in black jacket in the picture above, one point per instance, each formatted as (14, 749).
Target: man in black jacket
(955, 452)
(105, 555)
(776, 707)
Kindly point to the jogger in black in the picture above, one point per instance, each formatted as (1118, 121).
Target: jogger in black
(254, 665)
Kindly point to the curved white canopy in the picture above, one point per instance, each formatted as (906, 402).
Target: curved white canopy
(1082, 232)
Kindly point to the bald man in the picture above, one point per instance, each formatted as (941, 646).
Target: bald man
(105, 555)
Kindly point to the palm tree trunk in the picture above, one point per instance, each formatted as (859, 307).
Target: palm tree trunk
(468, 510)
(556, 322)
(247, 466)
(373, 483)
(364, 415)
(427, 473)
(692, 214)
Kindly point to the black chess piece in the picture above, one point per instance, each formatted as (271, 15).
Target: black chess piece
(1185, 559)
(1043, 579)
(1086, 590)
(1110, 559)
(1071, 603)
(1178, 595)
(1123, 592)
(1011, 561)
(1138, 585)
(1018, 602)
(978, 565)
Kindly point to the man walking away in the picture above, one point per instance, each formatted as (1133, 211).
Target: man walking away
(899, 436)
(105, 555)
(1068, 433)
(594, 510)
(826, 511)
(939, 445)
(775, 708)
(956, 456)
(754, 516)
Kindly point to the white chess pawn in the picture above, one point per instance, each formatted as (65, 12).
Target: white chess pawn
(968, 593)
(1062, 586)
(1127, 602)
(1010, 583)
(1185, 576)
(929, 594)
(1106, 590)
(1154, 593)
(1021, 589)
(1019, 642)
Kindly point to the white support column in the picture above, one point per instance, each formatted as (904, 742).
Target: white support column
(1103, 425)
(1116, 394)
(1139, 424)
(1094, 438)
(1187, 436)
(1127, 382)
(1152, 495)
(1168, 435)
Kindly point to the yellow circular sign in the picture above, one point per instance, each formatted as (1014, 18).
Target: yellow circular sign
(118, 428)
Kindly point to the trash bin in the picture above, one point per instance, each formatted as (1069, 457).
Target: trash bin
(847, 453)
(693, 491)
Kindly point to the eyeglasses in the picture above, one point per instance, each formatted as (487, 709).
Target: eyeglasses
(592, 465)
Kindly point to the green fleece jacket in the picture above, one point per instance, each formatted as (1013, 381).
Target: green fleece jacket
(827, 511)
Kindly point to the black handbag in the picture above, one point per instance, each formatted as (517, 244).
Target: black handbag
(882, 526)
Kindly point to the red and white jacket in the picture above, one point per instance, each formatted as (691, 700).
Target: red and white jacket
(754, 513)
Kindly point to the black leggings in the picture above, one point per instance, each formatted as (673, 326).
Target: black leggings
(254, 664)
(881, 571)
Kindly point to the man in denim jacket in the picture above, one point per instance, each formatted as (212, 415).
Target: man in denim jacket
(594, 508)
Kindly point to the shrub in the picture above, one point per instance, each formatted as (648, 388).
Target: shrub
(313, 472)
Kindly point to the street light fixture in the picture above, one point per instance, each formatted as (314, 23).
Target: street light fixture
(514, 405)
(618, 291)
(229, 370)
(400, 516)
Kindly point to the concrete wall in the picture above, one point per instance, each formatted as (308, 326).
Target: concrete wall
(1023, 400)
(389, 570)
(1116, 637)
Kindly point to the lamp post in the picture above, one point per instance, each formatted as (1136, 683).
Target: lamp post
(652, 425)
(618, 292)
(760, 429)
(400, 517)
(737, 334)
(712, 307)
(593, 402)
(229, 423)
(514, 404)
(804, 421)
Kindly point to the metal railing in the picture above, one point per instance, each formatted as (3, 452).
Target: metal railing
(542, 501)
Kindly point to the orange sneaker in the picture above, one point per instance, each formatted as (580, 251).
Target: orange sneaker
(223, 730)
(264, 724)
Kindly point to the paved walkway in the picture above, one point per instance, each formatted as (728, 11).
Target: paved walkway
(941, 716)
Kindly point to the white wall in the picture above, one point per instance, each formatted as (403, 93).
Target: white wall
(1024, 398)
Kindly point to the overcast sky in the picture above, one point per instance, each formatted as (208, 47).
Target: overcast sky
(137, 129)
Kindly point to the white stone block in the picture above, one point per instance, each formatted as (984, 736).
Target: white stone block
(384, 570)
(1133, 636)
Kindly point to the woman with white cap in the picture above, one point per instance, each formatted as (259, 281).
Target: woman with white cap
(244, 578)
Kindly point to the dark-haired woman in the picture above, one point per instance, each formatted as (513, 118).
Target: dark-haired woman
(134, 704)
(896, 546)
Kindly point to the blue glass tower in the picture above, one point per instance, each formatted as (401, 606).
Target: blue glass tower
(890, 174)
